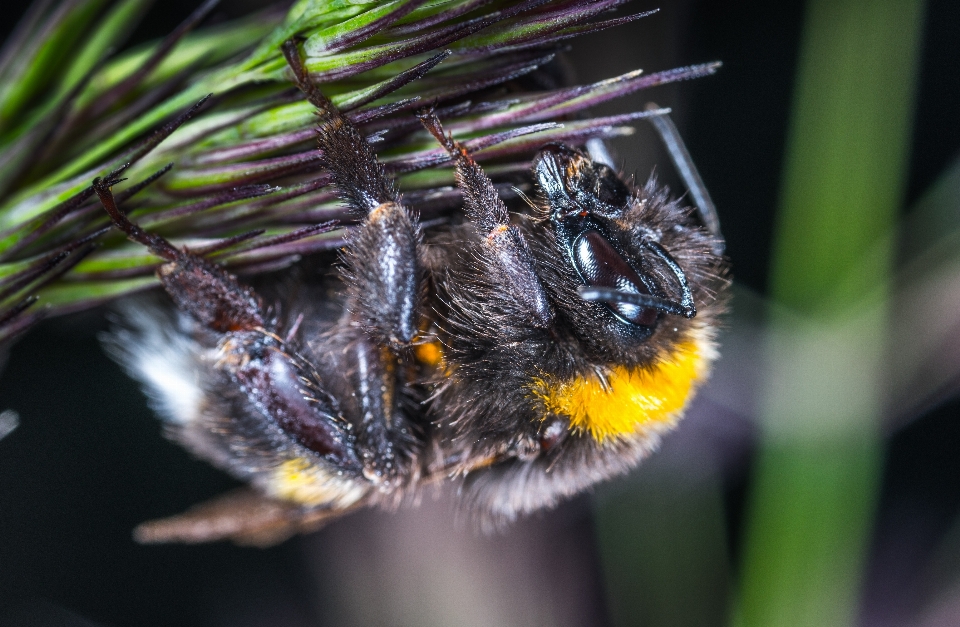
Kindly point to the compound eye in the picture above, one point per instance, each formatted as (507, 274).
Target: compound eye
(601, 266)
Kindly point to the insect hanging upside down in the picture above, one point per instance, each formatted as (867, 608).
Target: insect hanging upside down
(521, 358)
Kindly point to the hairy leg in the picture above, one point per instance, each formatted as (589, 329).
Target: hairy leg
(504, 247)
(382, 268)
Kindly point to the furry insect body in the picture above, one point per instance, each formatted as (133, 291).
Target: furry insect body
(521, 358)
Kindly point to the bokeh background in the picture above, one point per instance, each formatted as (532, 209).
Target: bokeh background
(815, 481)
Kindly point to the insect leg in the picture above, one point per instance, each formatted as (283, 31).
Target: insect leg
(275, 385)
(198, 287)
(243, 515)
(503, 242)
(383, 275)
(382, 266)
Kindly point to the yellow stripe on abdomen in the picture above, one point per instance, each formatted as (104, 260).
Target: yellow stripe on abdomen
(633, 399)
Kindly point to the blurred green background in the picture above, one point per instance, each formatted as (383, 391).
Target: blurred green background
(814, 482)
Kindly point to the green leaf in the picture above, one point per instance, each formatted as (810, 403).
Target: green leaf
(818, 470)
(47, 49)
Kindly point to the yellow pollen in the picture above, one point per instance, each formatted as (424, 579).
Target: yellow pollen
(429, 353)
(300, 481)
(633, 399)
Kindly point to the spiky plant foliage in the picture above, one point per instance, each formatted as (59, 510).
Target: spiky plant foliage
(217, 146)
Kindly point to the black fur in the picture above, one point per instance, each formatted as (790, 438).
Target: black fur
(499, 293)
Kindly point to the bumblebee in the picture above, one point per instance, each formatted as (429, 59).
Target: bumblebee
(517, 358)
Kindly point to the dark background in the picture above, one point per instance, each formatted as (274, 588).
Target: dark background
(88, 462)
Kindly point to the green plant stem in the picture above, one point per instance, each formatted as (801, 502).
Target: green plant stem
(819, 462)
